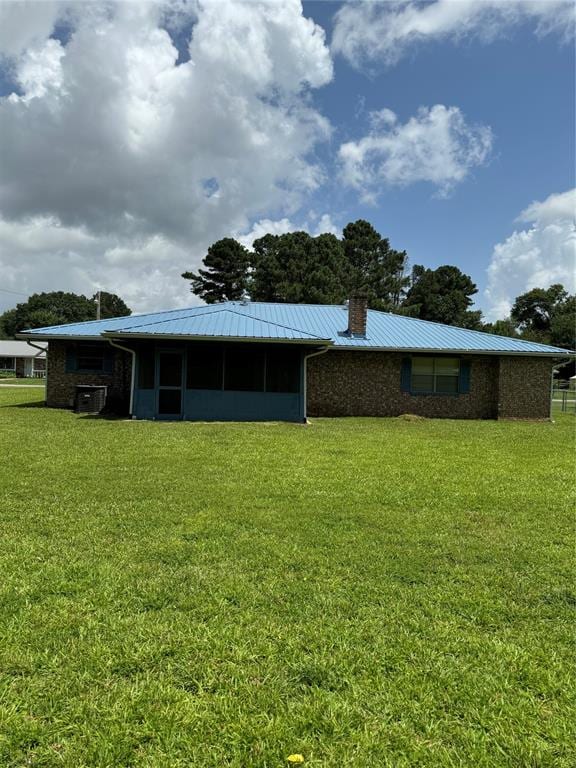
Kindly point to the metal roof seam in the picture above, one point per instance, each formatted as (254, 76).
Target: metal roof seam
(124, 317)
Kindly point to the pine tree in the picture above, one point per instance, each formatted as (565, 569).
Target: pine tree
(374, 268)
(298, 268)
(226, 275)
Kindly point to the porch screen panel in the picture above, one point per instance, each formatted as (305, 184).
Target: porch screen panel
(146, 368)
(283, 371)
(170, 369)
(244, 369)
(205, 366)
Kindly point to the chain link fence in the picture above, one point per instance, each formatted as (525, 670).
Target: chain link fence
(563, 400)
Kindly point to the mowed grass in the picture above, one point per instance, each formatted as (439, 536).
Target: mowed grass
(364, 592)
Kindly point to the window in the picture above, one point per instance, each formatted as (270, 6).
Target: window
(205, 367)
(438, 375)
(90, 357)
(7, 363)
(244, 369)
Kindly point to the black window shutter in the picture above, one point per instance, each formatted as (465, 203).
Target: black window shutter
(71, 363)
(464, 378)
(406, 374)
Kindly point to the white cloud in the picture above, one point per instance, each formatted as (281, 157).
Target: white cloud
(436, 146)
(40, 254)
(386, 31)
(555, 207)
(317, 225)
(26, 23)
(109, 137)
(536, 257)
(265, 227)
(325, 225)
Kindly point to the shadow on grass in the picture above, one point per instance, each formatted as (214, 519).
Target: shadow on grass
(104, 416)
(35, 404)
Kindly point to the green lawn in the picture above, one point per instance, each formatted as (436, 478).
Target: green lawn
(364, 592)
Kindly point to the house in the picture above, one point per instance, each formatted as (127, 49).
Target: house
(245, 361)
(20, 359)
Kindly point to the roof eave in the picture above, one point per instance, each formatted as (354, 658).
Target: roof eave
(183, 337)
(56, 337)
(427, 350)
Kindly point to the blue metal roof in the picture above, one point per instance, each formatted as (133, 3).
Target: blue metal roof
(219, 323)
(316, 323)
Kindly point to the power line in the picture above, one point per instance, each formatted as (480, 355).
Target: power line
(16, 293)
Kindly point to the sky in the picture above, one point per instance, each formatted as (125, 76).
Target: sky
(135, 134)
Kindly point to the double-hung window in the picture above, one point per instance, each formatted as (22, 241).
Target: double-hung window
(435, 375)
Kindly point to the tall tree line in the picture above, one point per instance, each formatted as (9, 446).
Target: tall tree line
(299, 268)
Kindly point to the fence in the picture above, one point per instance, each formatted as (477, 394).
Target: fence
(563, 400)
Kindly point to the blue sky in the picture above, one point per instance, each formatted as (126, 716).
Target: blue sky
(123, 158)
(521, 86)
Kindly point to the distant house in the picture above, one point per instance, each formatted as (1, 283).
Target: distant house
(245, 361)
(22, 360)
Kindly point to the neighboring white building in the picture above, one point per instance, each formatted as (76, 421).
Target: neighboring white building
(19, 358)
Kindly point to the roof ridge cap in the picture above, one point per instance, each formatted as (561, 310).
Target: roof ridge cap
(278, 325)
(168, 320)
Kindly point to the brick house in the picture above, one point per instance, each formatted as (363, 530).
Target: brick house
(246, 361)
(19, 359)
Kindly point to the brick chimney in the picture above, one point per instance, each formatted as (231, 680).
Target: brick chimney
(357, 315)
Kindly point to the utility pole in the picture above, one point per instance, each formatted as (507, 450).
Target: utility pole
(98, 306)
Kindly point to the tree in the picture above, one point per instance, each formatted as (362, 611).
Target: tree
(536, 310)
(506, 327)
(55, 308)
(6, 322)
(443, 295)
(298, 268)
(373, 268)
(563, 324)
(111, 305)
(226, 275)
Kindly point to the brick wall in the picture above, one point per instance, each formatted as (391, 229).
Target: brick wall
(368, 384)
(524, 388)
(344, 383)
(60, 385)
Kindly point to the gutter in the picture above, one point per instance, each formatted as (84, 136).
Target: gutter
(57, 337)
(305, 387)
(233, 339)
(562, 353)
(132, 376)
